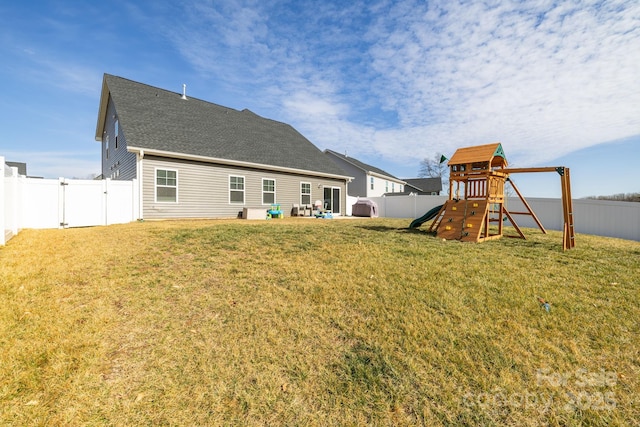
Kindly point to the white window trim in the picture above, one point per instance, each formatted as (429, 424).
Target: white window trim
(333, 187)
(275, 188)
(301, 193)
(155, 184)
(244, 188)
(116, 130)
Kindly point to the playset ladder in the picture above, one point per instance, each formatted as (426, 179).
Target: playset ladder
(568, 237)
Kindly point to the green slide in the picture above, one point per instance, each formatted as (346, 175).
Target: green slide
(426, 217)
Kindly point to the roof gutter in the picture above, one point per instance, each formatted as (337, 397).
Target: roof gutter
(387, 177)
(205, 159)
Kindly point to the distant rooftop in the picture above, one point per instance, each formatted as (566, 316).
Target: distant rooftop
(22, 167)
(361, 165)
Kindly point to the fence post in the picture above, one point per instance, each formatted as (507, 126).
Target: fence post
(106, 190)
(61, 213)
(3, 202)
(135, 202)
(15, 201)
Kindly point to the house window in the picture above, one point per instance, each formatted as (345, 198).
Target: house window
(116, 134)
(372, 183)
(106, 145)
(393, 187)
(268, 191)
(236, 189)
(166, 185)
(305, 193)
(386, 186)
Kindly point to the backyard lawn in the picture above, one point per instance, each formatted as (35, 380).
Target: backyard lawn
(316, 322)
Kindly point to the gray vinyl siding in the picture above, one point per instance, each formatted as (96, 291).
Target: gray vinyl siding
(357, 187)
(120, 164)
(203, 189)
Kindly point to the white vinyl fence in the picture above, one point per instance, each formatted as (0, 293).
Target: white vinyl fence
(50, 203)
(598, 217)
(62, 203)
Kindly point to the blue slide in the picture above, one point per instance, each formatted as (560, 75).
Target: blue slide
(426, 217)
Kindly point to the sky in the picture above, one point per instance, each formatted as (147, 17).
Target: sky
(390, 83)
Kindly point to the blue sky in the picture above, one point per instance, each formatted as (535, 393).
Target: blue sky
(388, 82)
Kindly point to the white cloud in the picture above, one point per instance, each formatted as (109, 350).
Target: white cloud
(405, 79)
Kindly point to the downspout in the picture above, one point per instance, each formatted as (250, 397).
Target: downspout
(140, 185)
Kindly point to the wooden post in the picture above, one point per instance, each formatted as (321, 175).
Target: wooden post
(568, 237)
(526, 205)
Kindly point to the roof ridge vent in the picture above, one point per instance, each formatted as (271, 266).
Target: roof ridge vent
(184, 91)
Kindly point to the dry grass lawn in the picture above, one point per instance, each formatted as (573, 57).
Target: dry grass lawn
(315, 322)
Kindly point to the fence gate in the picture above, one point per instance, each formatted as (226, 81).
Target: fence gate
(83, 203)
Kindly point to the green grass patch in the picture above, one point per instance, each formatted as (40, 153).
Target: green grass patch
(315, 322)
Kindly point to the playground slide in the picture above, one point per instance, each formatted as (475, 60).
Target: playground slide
(426, 217)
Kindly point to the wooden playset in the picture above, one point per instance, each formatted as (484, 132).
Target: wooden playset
(476, 209)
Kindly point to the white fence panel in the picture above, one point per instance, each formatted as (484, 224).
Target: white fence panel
(50, 203)
(11, 208)
(425, 203)
(548, 211)
(122, 202)
(83, 203)
(351, 200)
(599, 217)
(8, 208)
(5, 234)
(608, 218)
(409, 206)
(39, 203)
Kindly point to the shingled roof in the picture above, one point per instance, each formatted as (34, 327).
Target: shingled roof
(425, 185)
(492, 153)
(360, 165)
(160, 121)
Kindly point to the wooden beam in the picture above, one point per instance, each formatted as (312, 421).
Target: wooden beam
(568, 234)
(514, 224)
(527, 170)
(526, 205)
(519, 213)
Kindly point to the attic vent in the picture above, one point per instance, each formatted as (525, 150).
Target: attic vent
(184, 91)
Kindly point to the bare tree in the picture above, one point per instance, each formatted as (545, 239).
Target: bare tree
(435, 167)
(620, 197)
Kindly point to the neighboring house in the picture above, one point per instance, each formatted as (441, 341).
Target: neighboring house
(368, 180)
(429, 186)
(195, 159)
(22, 167)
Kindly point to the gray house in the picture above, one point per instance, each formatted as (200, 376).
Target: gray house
(368, 181)
(430, 186)
(195, 159)
(22, 167)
